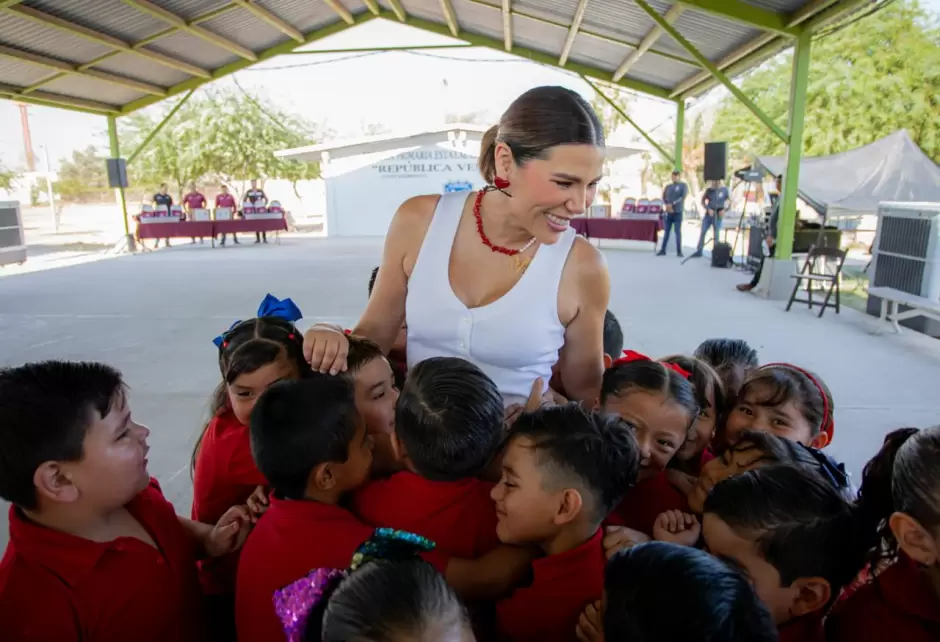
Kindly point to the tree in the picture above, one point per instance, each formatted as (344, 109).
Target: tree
(83, 177)
(7, 177)
(658, 170)
(866, 80)
(610, 118)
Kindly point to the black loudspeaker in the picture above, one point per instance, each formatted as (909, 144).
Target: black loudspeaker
(117, 172)
(716, 161)
(721, 255)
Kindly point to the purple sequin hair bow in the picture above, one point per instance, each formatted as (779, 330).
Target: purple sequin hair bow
(294, 603)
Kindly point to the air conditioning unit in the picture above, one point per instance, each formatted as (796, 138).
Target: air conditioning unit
(12, 239)
(906, 257)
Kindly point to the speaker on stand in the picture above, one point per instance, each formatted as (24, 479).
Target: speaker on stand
(716, 168)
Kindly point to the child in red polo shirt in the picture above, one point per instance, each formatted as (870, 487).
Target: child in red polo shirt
(312, 446)
(797, 538)
(658, 401)
(643, 585)
(903, 601)
(448, 425)
(564, 469)
(96, 553)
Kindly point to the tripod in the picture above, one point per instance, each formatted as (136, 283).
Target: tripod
(740, 227)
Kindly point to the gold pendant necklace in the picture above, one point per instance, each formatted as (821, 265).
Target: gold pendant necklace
(521, 263)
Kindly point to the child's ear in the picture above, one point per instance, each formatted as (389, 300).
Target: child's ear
(54, 483)
(323, 477)
(914, 539)
(813, 594)
(569, 508)
(607, 361)
(820, 441)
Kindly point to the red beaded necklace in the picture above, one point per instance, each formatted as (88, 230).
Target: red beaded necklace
(486, 240)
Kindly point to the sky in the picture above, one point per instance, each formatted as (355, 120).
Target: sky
(345, 93)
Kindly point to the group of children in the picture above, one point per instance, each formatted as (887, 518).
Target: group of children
(693, 502)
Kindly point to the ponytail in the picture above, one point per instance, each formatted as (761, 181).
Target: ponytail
(487, 160)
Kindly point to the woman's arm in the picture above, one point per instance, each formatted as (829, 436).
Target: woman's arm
(582, 355)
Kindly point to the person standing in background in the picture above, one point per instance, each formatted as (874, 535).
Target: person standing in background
(715, 201)
(162, 198)
(225, 199)
(674, 200)
(771, 234)
(256, 196)
(194, 200)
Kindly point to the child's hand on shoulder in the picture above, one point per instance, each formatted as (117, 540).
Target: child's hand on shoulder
(591, 623)
(325, 348)
(677, 527)
(257, 503)
(230, 532)
(620, 537)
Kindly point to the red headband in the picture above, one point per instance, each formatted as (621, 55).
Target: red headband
(829, 421)
(629, 356)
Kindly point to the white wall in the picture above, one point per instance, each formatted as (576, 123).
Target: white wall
(362, 193)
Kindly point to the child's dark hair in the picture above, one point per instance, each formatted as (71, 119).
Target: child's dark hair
(777, 450)
(803, 526)
(372, 277)
(449, 418)
(613, 335)
(386, 601)
(248, 346)
(298, 425)
(653, 377)
(781, 383)
(45, 413)
(361, 352)
(644, 583)
(583, 448)
(903, 477)
(704, 380)
(727, 356)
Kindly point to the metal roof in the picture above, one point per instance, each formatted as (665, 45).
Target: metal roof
(117, 56)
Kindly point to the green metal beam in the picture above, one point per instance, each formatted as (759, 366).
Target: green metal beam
(632, 122)
(205, 17)
(648, 41)
(791, 176)
(119, 195)
(833, 13)
(160, 125)
(746, 14)
(690, 85)
(238, 65)
(809, 10)
(710, 66)
(8, 3)
(680, 136)
(47, 99)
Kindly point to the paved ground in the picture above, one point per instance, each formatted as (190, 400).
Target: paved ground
(154, 317)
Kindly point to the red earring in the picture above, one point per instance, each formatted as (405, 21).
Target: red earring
(500, 183)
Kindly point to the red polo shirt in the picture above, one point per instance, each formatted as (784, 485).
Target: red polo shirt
(225, 476)
(458, 516)
(194, 201)
(562, 585)
(291, 539)
(898, 605)
(644, 502)
(225, 200)
(57, 586)
(808, 628)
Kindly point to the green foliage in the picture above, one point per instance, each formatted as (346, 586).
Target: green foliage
(7, 177)
(83, 177)
(610, 118)
(225, 134)
(870, 79)
(658, 170)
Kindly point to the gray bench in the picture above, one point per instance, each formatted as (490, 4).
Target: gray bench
(891, 298)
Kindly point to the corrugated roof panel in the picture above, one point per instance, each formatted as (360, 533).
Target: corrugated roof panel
(141, 68)
(32, 36)
(597, 53)
(479, 19)
(22, 74)
(425, 9)
(538, 35)
(660, 71)
(563, 9)
(194, 50)
(354, 6)
(112, 17)
(305, 15)
(779, 6)
(92, 89)
(189, 9)
(621, 19)
(713, 36)
(246, 29)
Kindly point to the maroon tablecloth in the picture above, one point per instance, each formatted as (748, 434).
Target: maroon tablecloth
(617, 228)
(251, 225)
(183, 229)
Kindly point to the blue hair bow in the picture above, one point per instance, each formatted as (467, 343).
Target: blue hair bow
(271, 306)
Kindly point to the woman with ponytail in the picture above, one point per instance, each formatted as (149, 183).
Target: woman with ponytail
(498, 276)
(901, 488)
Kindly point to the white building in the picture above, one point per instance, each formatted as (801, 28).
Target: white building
(367, 179)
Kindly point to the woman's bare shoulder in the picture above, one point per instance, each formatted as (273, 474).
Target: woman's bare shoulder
(417, 211)
(586, 260)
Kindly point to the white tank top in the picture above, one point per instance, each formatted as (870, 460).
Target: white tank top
(514, 339)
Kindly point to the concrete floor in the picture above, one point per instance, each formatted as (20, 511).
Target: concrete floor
(154, 316)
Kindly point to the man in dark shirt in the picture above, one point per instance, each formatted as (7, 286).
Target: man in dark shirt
(715, 201)
(771, 234)
(257, 197)
(164, 199)
(674, 200)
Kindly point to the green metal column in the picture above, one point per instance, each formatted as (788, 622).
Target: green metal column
(680, 133)
(791, 176)
(119, 195)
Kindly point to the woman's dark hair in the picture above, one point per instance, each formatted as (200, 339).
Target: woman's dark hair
(704, 380)
(727, 356)
(781, 383)
(372, 278)
(386, 601)
(247, 346)
(538, 120)
(623, 378)
(613, 335)
(449, 418)
(802, 526)
(903, 477)
(644, 585)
